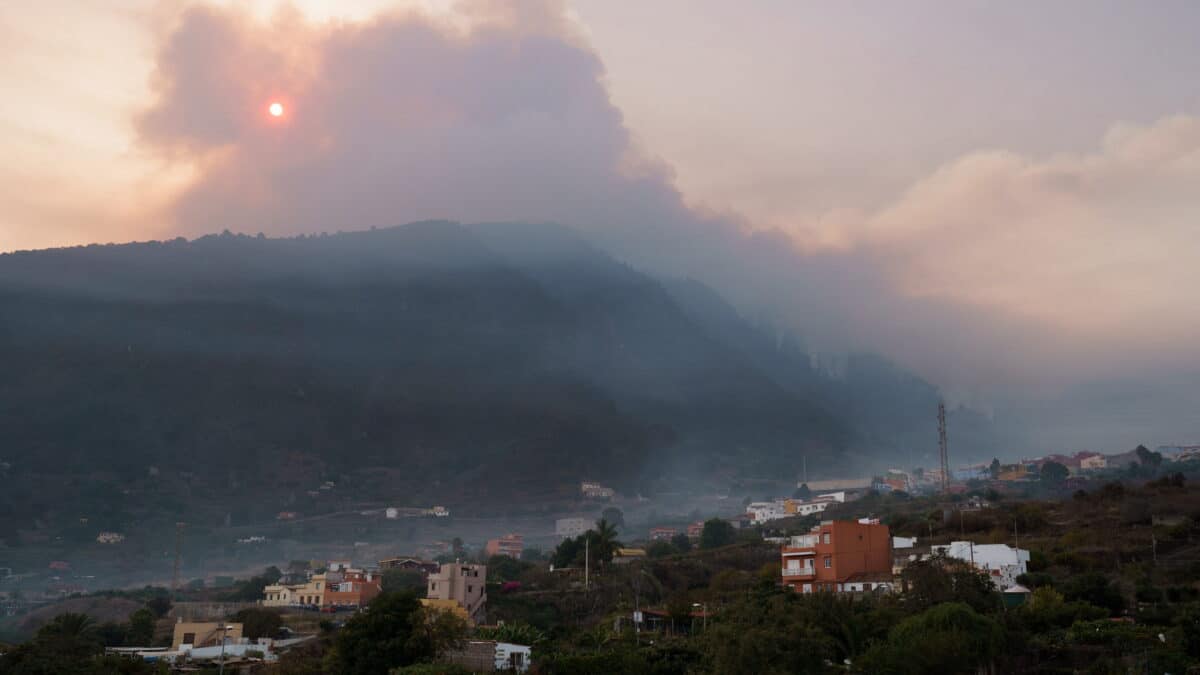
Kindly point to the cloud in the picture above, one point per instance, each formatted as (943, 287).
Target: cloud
(995, 269)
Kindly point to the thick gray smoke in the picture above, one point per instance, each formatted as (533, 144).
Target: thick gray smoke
(507, 117)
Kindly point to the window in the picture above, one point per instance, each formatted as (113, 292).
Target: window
(825, 538)
(828, 562)
(470, 589)
(189, 639)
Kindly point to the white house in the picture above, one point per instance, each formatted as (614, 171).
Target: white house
(570, 527)
(808, 508)
(391, 513)
(1001, 562)
(513, 657)
(762, 512)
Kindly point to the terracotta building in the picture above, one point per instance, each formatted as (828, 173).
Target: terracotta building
(355, 588)
(511, 545)
(839, 556)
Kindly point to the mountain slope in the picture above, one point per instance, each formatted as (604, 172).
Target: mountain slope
(487, 361)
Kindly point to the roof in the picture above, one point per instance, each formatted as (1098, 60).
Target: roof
(1017, 588)
(631, 552)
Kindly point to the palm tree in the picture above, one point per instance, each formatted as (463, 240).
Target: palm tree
(69, 626)
(604, 540)
(71, 634)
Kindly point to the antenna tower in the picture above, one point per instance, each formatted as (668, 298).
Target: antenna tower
(178, 550)
(942, 450)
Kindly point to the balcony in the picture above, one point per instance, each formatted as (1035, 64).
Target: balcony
(799, 572)
(804, 541)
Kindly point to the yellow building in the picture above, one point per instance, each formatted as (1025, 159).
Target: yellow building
(451, 606)
(205, 634)
(291, 595)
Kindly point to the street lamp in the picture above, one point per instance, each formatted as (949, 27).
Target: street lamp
(703, 614)
(225, 628)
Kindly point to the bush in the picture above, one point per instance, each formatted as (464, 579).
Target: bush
(717, 533)
(948, 638)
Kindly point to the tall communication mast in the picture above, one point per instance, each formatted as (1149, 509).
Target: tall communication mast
(942, 449)
(178, 551)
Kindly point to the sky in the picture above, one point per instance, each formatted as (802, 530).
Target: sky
(1002, 196)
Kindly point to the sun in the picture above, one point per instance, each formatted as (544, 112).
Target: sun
(276, 109)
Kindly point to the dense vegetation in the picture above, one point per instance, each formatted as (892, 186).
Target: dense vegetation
(487, 363)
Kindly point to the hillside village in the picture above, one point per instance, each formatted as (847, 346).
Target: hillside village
(882, 543)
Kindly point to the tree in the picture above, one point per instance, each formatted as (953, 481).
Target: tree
(1148, 459)
(994, 468)
(682, 542)
(258, 622)
(389, 634)
(272, 575)
(802, 493)
(946, 580)
(397, 579)
(947, 638)
(603, 541)
(717, 533)
(659, 549)
(613, 515)
(161, 604)
(568, 552)
(1094, 588)
(141, 628)
(1054, 473)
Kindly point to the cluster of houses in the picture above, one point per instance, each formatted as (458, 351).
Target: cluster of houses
(859, 556)
(339, 586)
(396, 512)
(762, 512)
(456, 587)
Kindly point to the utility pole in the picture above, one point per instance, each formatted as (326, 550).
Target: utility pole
(1016, 537)
(943, 451)
(178, 550)
(587, 559)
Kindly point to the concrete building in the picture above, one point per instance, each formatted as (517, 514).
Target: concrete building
(308, 594)
(839, 556)
(511, 545)
(569, 528)
(463, 583)
(797, 507)
(425, 567)
(594, 490)
(663, 533)
(1092, 462)
(487, 656)
(353, 588)
(1002, 563)
(205, 634)
(762, 512)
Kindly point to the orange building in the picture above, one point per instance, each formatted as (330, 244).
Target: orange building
(355, 589)
(511, 545)
(839, 556)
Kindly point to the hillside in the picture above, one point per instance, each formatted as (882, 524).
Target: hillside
(482, 362)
